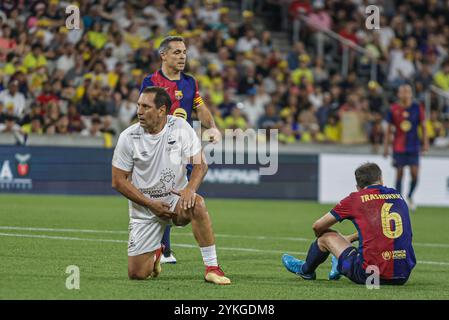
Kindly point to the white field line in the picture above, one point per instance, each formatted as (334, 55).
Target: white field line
(182, 245)
(236, 236)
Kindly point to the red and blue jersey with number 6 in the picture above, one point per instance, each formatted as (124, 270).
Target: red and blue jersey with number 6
(382, 220)
(406, 122)
(184, 93)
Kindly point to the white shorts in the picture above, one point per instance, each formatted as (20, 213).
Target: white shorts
(146, 235)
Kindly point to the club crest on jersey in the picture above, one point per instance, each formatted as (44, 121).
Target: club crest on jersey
(406, 125)
(178, 94)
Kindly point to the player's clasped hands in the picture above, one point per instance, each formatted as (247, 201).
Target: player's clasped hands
(162, 210)
(187, 198)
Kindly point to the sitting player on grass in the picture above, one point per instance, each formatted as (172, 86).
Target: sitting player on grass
(382, 220)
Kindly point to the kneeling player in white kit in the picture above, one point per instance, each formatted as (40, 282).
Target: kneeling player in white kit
(153, 154)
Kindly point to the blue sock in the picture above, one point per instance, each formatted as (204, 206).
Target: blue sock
(413, 184)
(399, 186)
(166, 241)
(315, 257)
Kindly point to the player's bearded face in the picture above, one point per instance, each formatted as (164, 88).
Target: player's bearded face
(150, 117)
(175, 57)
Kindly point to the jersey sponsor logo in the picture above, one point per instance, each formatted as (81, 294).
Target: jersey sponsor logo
(135, 135)
(178, 94)
(394, 255)
(164, 187)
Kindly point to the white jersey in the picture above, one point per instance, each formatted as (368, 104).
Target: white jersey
(157, 161)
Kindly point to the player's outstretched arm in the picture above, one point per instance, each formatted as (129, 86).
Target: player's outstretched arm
(121, 183)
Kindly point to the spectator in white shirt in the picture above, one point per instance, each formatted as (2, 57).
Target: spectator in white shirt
(128, 109)
(67, 60)
(254, 106)
(402, 68)
(247, 42)
(13, 99)
(94, 130)
(209, 13)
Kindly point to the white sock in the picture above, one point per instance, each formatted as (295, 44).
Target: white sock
(209, 256)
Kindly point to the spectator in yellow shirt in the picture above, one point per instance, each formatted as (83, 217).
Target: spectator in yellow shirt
(96, 36)
(303, 71)
(434, 127)
(441, 78)
(332, 130)
(235, 120)
(35, 58)
(35, 126)
(217, 91)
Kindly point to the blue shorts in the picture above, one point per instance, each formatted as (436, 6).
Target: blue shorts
(350, 265)
(402, 159)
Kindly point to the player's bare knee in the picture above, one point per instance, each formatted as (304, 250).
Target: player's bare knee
(200, 210)
(181, 221)
(137, 275)
(324, 239)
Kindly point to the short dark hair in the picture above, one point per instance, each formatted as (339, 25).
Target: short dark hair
(161, 98)
(367, 174)
(164, 46)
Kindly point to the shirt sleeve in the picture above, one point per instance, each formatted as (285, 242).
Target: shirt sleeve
(343, 210)
(146, 83)
(123, 154)
(191, 144)
(197, 100)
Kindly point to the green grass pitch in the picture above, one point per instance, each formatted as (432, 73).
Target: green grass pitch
(41, 235)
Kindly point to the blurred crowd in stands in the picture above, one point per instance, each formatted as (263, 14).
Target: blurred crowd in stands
(59, 81)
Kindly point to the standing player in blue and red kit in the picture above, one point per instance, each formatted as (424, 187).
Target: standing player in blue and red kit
(404, 118)
(184, 93)
(382, 220)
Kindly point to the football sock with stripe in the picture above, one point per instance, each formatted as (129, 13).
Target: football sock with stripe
(315, 257)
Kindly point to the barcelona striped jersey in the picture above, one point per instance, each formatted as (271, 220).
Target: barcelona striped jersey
(184, 93)
(406, 122)
(382, 220)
